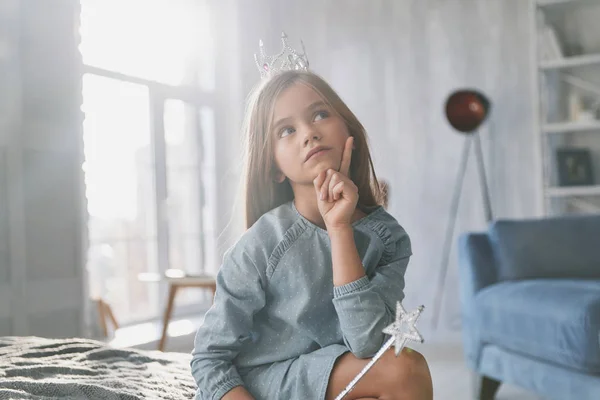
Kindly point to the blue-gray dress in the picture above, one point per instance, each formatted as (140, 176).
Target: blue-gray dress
(278, 324)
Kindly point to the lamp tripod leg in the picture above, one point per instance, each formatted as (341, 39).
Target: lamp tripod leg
(487, 203)
(450, 231)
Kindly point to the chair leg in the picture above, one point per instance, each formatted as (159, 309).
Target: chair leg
(102, 317)
(167, 316)
(111, 316)
(487, 388)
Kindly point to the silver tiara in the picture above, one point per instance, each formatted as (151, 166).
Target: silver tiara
(287, 60)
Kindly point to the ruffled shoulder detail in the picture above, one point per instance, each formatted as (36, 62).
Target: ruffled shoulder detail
(269, 236)
(394, 238)
(385, 235)
(290, 236)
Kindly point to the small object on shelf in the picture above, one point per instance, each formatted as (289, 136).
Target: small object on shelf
(574, 49)
(550, 48)
(553, 44)
(574, 167)
(575, 105)
(582, 84)
(586, 115)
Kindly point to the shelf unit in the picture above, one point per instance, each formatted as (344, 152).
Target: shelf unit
(571, 62)
(567, 191)
(558, 74)
(572, 127)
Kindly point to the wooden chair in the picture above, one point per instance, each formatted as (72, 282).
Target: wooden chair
(105, 315)
(179, 282)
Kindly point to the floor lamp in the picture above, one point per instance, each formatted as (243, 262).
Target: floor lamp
(465, 110)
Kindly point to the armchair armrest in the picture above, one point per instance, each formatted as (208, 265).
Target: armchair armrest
(477, 266)
(477, 270)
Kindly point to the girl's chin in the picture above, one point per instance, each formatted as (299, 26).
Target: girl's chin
(323, 166)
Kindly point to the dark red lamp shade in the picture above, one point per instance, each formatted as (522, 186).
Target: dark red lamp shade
(466, 110)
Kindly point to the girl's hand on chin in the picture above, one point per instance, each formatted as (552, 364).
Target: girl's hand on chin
(336, 194)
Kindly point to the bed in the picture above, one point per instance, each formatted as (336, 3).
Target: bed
(38, 368)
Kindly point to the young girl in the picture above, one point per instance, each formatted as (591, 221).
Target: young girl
(303, 296)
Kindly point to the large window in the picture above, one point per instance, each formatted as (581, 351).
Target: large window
(149, 148)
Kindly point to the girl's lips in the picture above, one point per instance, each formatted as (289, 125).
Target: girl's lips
(318, 153)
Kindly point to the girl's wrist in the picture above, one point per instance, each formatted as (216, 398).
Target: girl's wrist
(347, 265)
(340, 230)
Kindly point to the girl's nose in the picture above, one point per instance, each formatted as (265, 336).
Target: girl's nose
(311, 135)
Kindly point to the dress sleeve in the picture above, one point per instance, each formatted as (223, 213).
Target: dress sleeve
(366, 306)
(227, 326)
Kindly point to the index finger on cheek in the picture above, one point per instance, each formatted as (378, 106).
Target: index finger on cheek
(347, 156)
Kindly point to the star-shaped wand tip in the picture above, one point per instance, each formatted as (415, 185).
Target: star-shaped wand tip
(400, 334)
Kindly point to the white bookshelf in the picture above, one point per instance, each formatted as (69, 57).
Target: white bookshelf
(568, 191)
(561, 71)
(571, 62)
(572, 127)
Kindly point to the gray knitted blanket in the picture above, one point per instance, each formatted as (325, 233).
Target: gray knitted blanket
(36, 368)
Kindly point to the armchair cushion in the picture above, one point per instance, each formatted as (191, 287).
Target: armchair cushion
(553, 320)
(547, 248)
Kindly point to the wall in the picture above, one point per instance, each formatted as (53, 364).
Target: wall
(41, 182)
(395, 63)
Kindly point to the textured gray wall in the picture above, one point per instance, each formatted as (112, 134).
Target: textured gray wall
(41, 218)
(394, 63)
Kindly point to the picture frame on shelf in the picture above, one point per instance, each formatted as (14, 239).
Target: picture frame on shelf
(574, 166)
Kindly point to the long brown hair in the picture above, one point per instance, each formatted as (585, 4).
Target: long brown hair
(262, 192)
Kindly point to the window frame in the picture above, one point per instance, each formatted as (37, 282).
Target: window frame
(159, 93)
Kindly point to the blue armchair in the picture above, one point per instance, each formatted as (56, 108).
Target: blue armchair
(530, 297)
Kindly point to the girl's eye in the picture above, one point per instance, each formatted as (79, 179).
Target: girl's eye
(321, 115)
(286, 131)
